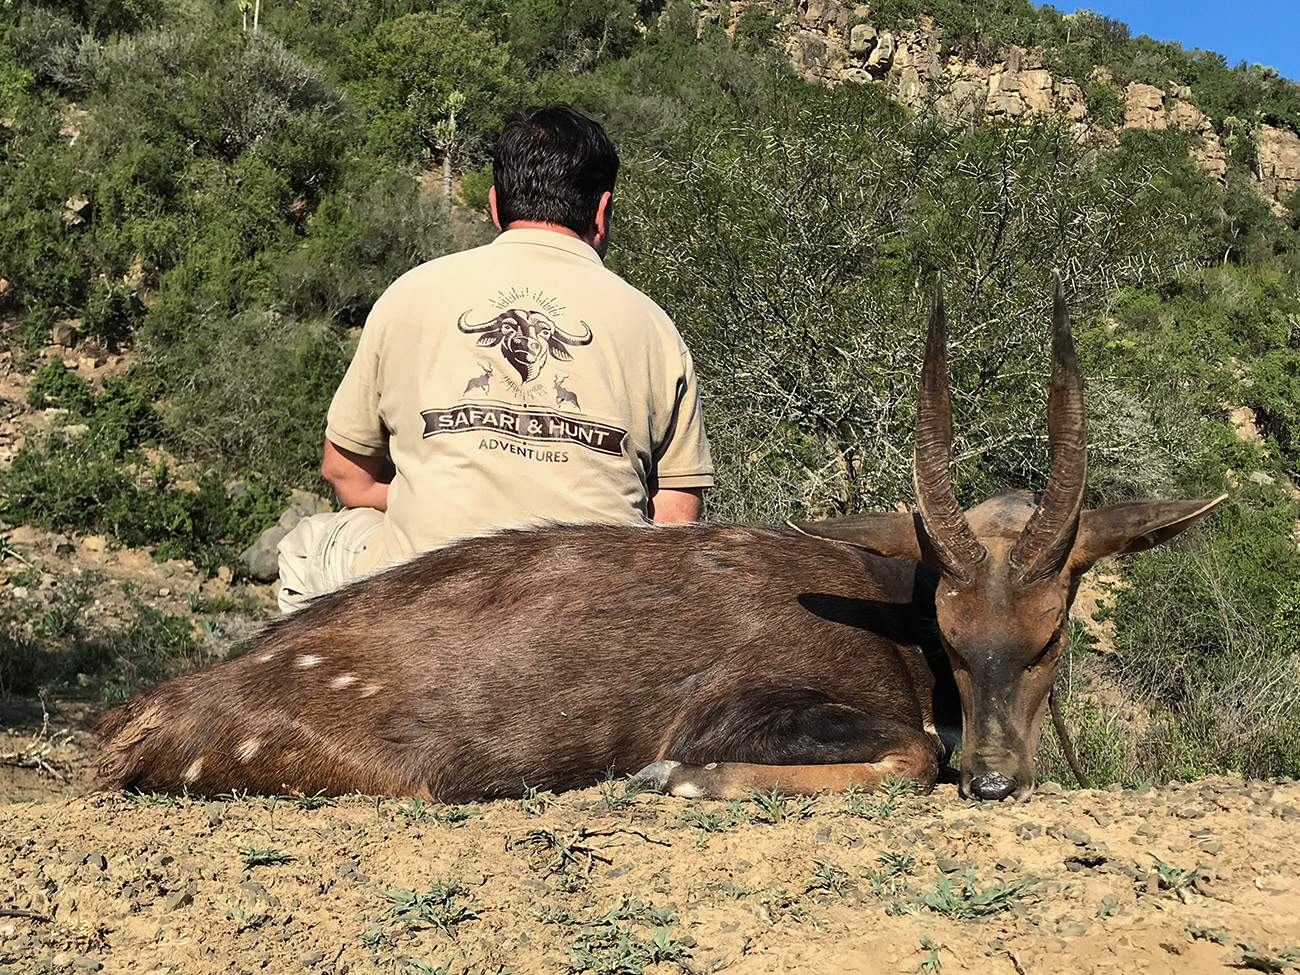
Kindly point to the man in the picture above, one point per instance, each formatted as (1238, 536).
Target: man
(512, 385)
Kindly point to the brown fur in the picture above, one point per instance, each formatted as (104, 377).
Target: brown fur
(540, 658)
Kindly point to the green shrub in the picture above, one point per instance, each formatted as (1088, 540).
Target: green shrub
(755, 28)
(96, 481)
(1105, 104)
(112, 313)
(361, 239)
(56, 385)
(1207, 636)
(58, 52)
(124, 417)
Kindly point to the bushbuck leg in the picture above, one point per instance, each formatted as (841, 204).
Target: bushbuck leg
(802, 746)
(729, 780)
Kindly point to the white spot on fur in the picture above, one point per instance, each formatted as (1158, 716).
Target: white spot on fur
(371, 689)
(688, 790)
(248, 749)
(307, 660)
(342, 681)
(712, 765)
(267, 657)
(192, 773)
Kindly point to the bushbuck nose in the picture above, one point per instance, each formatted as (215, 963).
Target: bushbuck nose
(992, 785)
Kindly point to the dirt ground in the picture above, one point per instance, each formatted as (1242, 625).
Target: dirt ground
(1202, 877)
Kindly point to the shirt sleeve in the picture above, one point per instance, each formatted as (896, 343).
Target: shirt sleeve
(354, 422)
(682, 459)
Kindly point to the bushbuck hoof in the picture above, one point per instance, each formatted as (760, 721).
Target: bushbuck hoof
(685, 781)
(653, 777)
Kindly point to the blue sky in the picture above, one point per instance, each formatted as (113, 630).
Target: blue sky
(1263, 31)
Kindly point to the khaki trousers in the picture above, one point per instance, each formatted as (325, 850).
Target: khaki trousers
(318, 554)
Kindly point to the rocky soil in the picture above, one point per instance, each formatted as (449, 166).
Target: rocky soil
(1203, 877)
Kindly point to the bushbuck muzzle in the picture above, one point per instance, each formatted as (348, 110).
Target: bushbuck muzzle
(713, 658)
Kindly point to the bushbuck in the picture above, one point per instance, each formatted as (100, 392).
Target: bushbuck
(710, 657)
(483, 382)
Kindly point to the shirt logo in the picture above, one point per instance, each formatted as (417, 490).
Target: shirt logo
(539, 426)
(526, 338)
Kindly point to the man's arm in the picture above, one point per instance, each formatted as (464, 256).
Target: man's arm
(676, 506)
(360, 480)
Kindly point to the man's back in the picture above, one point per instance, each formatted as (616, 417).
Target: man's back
(513, 385)
(539, 384)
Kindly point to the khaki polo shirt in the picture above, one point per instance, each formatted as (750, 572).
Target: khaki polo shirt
(515, 384)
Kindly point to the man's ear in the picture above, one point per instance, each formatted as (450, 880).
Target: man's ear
(1135, 527)
(600, 223)
(893, 534)
(492, 207)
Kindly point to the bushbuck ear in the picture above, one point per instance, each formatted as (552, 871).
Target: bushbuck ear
(1124, 528)
(893, 534)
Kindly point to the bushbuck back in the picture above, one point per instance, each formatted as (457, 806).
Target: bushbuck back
(709, 657)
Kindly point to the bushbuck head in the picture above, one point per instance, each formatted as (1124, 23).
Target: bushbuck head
(1008, 568)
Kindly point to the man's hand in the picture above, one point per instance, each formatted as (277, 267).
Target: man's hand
(676, 506)
(360, 481)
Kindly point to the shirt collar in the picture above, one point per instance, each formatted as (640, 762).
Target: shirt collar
(549, 238)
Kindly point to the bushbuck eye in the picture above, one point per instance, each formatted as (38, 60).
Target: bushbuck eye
(1054, 643)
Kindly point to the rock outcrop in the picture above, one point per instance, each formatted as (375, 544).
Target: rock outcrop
(1279, 163)
(1149, 107)
(829, 43)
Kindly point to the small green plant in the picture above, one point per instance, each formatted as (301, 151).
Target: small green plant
(611, 942)
(1108, 906)
(444, 906)
(930, 964)
(1283, 960)
(737, 891)
(778, 901)
(1202, 932)
(897, 866)
(967, 901)
(318, 801)
(1176, 879)
(862, 802)
(775, 808)
(534, 803)
(247, 921)
(453, 815)
(708, 822)
(410, 965)
(802, 912)
(264, 856)
(412, 808)
(829, 877)
(54, 622)
(616, 795)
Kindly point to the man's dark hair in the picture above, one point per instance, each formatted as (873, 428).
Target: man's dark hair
(552, 164)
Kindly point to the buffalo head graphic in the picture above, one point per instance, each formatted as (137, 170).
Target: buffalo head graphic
(526, 338)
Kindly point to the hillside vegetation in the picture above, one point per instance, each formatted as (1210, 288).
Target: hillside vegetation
(228, 202)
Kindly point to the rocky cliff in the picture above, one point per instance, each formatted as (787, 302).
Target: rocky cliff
(834, 44)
